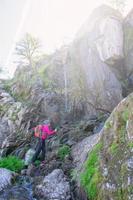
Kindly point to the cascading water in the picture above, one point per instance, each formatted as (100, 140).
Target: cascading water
(66, 92)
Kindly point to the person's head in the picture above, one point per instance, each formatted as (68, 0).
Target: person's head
(46, 122)
(49, 123)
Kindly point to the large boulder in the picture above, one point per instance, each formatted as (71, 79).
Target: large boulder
(54, 187)
(108, 172)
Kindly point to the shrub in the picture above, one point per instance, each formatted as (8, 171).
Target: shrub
(37, 163)
(63, 151)
(12, 163)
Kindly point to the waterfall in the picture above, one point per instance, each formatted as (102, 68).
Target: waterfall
(65, 87)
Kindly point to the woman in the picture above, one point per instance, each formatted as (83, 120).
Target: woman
(42, 132)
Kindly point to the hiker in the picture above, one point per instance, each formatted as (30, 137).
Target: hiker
(42, 132)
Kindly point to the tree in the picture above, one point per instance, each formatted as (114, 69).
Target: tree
(118, 4)
(28, 49)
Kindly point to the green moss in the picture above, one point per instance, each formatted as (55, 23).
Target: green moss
(122, 134)
(124, 169)
(130, 145)
(123, 193)
(121, 130)
(12, 163)
(107, 125)
(114, 148)
(91, 176)
(63, 152)
(125, 115)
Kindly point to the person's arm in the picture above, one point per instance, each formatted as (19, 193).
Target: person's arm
(50, 132)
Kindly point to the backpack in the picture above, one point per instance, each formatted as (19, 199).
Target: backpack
(38, 132)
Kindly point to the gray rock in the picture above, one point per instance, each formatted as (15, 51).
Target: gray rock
(81, 150)
(6, 177)
(103, 90)
(4, 130)
(54, 187)
(28, 156)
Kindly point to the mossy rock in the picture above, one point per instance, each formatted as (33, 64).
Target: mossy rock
(109, 176)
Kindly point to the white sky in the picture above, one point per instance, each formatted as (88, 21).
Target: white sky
(55, 22)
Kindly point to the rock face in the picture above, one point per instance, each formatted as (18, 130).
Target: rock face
(103, 31)
(102, 87)
(54, 187)
(128, 48)
(81, 79)
(99, 45)
(114, 165)
(4, 130)
(5, 178)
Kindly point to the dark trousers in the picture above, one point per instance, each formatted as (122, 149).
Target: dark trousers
(40, 147)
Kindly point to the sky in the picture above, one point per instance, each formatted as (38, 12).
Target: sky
(54, 22)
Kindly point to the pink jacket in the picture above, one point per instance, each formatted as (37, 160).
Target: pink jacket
(46, 131)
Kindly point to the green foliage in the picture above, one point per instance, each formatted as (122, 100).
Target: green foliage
(28, 50)
(37, 163)
(63, 152)
(12, 163)
(130, 145)
(43, 74)
(91, 176)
